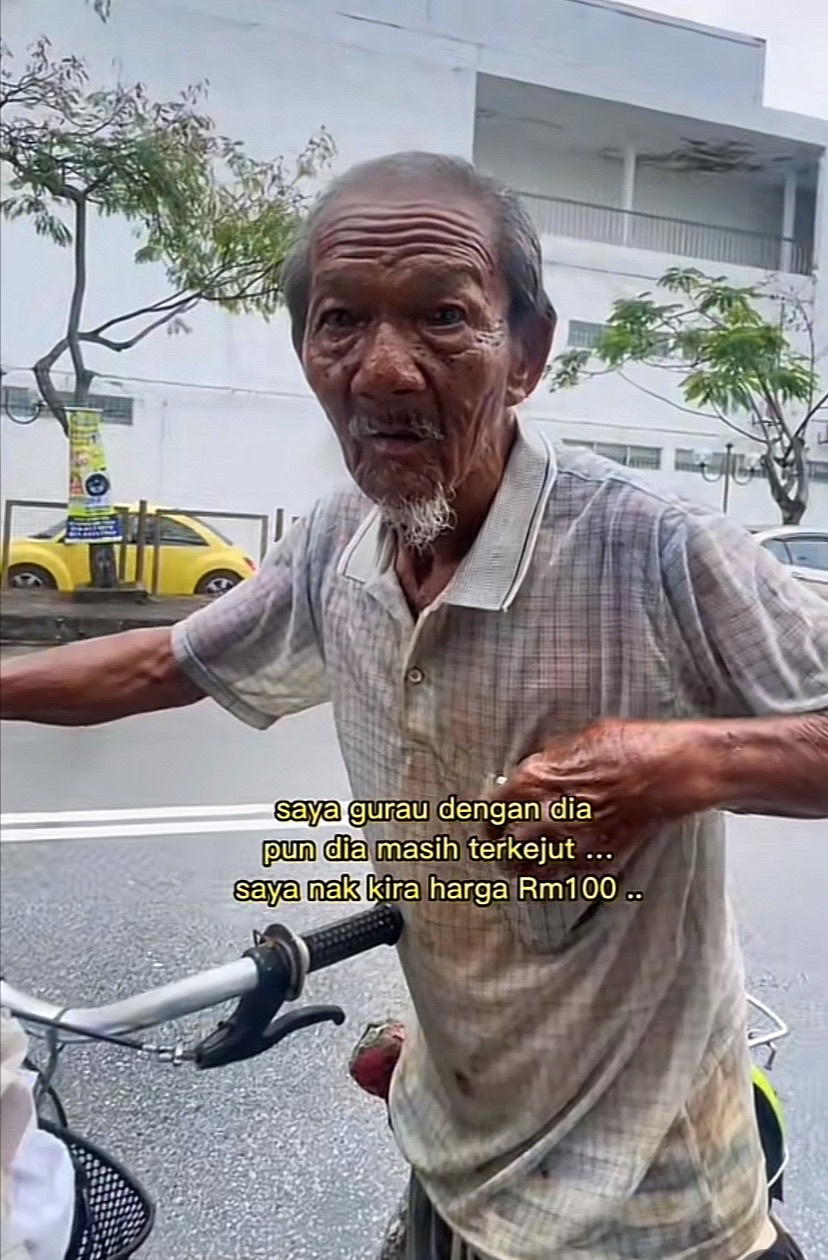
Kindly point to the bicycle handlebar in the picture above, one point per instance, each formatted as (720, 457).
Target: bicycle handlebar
(270, 973)
(355, 935)
(322, 947)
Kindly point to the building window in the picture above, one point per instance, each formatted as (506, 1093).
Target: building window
(687, 461)
(629, 456)
(643, 457)
(16, 400)
(585, 336)
(116, 408)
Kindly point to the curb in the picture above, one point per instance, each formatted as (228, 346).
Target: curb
(70, 622)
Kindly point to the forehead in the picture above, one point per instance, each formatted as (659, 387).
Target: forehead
(423, 235)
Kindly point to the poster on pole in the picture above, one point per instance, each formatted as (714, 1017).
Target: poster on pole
(91, 517)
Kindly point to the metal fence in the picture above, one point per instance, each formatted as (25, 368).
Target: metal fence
(580, 219)
(146, 539)
(279, 523)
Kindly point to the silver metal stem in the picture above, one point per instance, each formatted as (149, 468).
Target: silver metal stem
(780, 1028)
(144, 1010)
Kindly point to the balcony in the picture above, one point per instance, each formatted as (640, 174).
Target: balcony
(614, 173)
(583, 221)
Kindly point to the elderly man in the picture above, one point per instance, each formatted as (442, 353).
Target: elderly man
(481, 606)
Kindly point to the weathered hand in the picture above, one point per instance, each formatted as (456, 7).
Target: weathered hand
(633, 775)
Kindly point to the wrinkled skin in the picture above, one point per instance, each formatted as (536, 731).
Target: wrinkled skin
(409, 349)
(635, 775)
(407, 335)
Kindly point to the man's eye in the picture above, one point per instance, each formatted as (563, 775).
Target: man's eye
(447, 316)
(339, 318)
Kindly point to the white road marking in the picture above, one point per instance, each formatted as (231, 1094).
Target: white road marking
(151, 811)
(125, 830)
(172, 820)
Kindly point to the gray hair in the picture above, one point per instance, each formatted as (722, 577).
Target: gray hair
(516, 240)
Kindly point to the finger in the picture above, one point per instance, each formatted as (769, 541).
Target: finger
(530, 789)
(517, 793)
(586, 818)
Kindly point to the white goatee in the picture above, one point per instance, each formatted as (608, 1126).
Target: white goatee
(418, 523)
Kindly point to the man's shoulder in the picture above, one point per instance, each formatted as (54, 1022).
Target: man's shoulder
(602, 493)
(332, 522)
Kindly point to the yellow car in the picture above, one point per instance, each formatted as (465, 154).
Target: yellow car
(194, 559)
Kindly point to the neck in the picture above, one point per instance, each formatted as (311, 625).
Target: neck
(471, 504)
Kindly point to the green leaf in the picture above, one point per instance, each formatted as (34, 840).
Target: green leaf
(217, 219)
(567, 369)
(732, 349)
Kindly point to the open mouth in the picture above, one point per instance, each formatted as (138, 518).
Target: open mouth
(395, 434)
(395, 443)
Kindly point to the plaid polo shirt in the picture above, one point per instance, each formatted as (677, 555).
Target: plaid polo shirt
(572, 1088)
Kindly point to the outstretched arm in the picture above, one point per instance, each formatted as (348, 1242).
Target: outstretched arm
(776, 765)
(97, 680)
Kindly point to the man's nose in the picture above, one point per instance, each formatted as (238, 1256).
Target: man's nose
(387, 366)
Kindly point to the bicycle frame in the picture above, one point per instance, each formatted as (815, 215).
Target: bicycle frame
(270, 973)
(779, 1029)
(205, 989)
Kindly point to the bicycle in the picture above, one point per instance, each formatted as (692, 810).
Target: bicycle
(117, 1212)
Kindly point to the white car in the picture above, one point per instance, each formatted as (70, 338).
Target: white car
(803, 550)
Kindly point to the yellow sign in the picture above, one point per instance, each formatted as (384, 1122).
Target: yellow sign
(91, 517)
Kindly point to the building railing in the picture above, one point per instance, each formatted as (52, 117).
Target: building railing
(557, 216)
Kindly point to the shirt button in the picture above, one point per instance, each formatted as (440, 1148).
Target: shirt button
(415, 675)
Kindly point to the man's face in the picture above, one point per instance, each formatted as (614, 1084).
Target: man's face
(407, 345)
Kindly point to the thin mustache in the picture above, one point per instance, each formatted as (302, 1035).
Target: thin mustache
(419, 426)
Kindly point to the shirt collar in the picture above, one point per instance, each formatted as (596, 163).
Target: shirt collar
(490, 576)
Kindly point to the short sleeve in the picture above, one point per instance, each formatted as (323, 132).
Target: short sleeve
(756, 637)
(256, 649)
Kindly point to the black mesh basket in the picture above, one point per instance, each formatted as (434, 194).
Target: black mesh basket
(114, 1215)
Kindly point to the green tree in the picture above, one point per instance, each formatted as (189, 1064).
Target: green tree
(215, 219)
(732, 363)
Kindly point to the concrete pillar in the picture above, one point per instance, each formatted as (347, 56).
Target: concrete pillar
(628, 188)
(788, 220)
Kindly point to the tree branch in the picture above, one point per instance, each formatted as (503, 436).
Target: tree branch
(809, 415)
(731, 424)
(97, 339)
(815, 407)
(82, 378)
(172, 304)
(690, 411)
(777, 489)
(42, 374)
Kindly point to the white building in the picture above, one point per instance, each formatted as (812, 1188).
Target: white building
(639, 141)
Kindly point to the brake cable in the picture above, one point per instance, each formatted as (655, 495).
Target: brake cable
(173, 1054)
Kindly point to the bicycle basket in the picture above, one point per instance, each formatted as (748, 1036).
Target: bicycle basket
(115, 1214)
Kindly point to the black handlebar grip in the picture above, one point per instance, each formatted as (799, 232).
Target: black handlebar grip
(381, 925)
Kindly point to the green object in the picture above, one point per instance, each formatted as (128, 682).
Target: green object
(734, 351)
(761, 1082)
(770, 1120)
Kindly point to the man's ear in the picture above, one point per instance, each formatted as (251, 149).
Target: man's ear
(530, 355)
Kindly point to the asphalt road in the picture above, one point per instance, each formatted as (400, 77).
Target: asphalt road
(283, 1158)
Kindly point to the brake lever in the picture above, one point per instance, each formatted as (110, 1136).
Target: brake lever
(275, 1032)
(281, 961)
